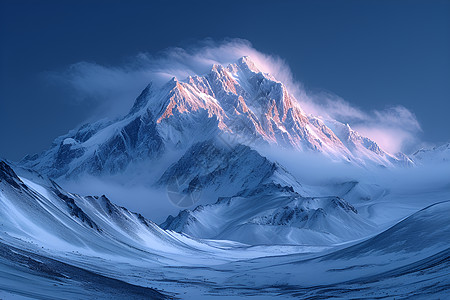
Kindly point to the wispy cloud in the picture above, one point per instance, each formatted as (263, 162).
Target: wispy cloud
(114, 88)
(394, 128)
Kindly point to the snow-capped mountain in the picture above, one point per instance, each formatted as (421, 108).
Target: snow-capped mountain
(271, 214)
(209, 119)
(259, 201)
(219, 169)
(237, 102)
(440, 154)
(250, 224)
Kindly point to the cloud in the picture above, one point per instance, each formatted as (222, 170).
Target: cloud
(312, 170)
(150, 202)
(112, 89)
(394, 128)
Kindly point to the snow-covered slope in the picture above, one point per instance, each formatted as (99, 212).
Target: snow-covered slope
(28, 275)
(409, 260)
(273, 214)
(237, 101)
(259, 201)
(103, 147)
(214, 168)
(60, 220)
(437, 155)
(68, 246)
(39, 212)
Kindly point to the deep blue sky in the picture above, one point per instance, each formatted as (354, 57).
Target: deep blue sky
(371, 53)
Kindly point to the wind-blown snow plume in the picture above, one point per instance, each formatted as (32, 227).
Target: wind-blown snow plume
(114, 88)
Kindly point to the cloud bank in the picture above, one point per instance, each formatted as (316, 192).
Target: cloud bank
(112, 89)
(310, 169)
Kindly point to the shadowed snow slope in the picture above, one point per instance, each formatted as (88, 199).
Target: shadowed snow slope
(27, 275)
(220, 169)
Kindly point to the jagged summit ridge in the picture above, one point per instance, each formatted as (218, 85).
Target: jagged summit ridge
(247, 102)
(237, 100)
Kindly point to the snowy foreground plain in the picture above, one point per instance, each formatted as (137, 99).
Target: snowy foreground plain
(58, 245)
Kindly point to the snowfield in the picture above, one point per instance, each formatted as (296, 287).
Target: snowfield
(68, 246)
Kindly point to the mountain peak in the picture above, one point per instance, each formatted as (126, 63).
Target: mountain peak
(217, 68)
(238, 100)
(141, 100)
(245, 62)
